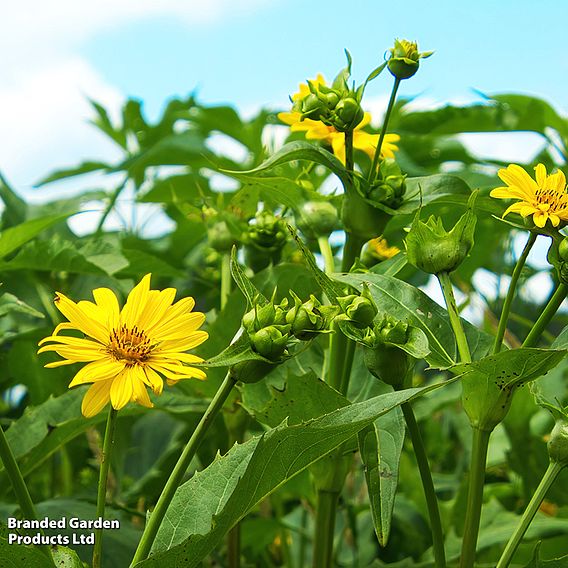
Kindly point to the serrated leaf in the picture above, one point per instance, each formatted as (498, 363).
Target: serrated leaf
(208, 505)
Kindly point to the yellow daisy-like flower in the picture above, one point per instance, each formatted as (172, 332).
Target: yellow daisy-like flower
(127, 350)
(380, 249)
(544, 197)
(317, 130)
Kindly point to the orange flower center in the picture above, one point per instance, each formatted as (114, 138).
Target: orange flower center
(130, 345)
(552, 199)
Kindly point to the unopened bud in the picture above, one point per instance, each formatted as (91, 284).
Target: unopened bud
(270, 342)
(405, 58)
(558, 443)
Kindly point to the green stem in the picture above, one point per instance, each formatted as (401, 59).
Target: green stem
(544, 319)
(461, 340)
(225, 279)
(325, 528)
(351, 251)
(511, 293)
(480, 445)
(179, 470)
(427, 484)
(373, 170)
(554, 468)
(113, 198)
(327, 254)
(234, 547)
(102, 488)
(19, 486)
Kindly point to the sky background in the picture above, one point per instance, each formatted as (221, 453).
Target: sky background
(251, 53)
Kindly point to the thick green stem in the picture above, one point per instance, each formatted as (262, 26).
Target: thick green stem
(325, 528)
(511, 293)
(480, 445)
(547, 480)
(376, 157)
(176, 477)
(225, 279)
(234, 547)
(102, 488)
(461, 340)
(427, 484)
(544, 319)
(19, 486)
(327, 254)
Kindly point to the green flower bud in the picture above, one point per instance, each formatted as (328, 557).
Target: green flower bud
(251, 371)
(264, 241)
(389, 364)
(317, 218)
(331, 99)
(405, 59)
(361, 219)
(312, 107)
(347, 114)
(219, 237)
(360, 310)
(433, 249)
(558, 443)
(563, 249)
(263, 316)
(271, 341)
(306, 318)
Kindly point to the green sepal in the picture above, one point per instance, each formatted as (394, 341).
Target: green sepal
(433, 249)
(557, 444)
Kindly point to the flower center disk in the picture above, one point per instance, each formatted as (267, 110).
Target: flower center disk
(556, 200)
(130, 345)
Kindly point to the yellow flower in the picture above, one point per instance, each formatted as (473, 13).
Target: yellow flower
(317, 130)
(380, 249)
(127, 350)
(304, 88)
(544, 199)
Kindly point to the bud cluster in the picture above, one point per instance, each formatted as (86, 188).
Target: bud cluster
(390, 186)
(264, 240)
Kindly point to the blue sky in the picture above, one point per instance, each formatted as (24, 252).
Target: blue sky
(249, 53)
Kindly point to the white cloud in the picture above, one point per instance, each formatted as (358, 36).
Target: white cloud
(45, 114)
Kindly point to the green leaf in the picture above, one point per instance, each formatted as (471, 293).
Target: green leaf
(248, 289)
(272, 190)
(303, 397)
(17, 555)
(208, 505)
(15, 208)
(83, 168)
(237, 352)
(538, 562)
(488, 384)
(380, 447)
(407, 303)
(15, 237)
(9, 303)
(302, 150)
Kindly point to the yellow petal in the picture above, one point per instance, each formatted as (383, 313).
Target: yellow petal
(96, 399)
(540, 218)
(540, 174)
(139, 392)
(80, 319)
(156, 307)
(121, 389)
(153, 380)
(135, 303)
(97, 371)
(517, 177)
(108, 302)
(182, 326)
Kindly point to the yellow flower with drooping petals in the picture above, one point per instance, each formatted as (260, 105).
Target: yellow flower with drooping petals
(130, 349)
(544, 197)
(317, 130)
(380, 249)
